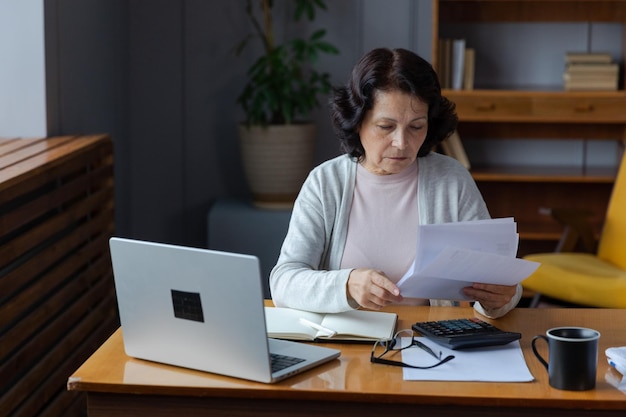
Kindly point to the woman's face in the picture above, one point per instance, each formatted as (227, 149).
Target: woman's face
(393, 131)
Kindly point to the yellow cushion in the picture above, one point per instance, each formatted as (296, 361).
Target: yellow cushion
(579, 278)
(611, 246)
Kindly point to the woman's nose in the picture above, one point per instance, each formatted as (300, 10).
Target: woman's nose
(399, 140)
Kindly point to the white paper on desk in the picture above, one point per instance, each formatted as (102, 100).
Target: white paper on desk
(453, 269)
(487, 364)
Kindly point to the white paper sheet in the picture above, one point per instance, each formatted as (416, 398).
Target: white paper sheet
(488, 364)
(453, 269)
(497, 236)
(451, 256)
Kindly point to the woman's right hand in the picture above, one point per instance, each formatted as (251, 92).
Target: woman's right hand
(372, 289)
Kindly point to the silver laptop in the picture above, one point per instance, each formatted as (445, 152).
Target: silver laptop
(201, 309)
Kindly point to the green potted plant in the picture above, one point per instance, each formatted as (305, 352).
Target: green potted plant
(283, 88)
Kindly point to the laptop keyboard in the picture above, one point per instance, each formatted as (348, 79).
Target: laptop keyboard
(280, 362)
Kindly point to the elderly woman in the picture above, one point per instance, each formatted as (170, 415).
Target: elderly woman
(353, 230)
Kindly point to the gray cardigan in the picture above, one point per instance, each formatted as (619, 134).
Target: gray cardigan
(307, 275)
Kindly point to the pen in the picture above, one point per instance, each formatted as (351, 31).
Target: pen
(316, 326)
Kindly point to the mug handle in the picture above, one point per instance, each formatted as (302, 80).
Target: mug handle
(542, 360)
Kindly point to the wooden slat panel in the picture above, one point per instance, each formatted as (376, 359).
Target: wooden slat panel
(25, 150)
(43, 158)
(20, 378)
(53, 387)
(21, 178)
(57, 298)
(59, 362)
(67, 403)
(31, 238)
(5, 141)
(30, 306)
(38, 207)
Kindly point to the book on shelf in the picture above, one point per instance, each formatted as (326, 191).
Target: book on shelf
(588, 57)
(469, 69)
(590, 72)
(590, 77)
(591, 85)
(444, 54)
(353, 325)
(452, 146)
(457, 64)
(611, 68)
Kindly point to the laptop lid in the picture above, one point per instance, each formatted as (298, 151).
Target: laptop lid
(199, 309)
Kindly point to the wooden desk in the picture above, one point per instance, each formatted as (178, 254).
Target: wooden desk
(117, 385)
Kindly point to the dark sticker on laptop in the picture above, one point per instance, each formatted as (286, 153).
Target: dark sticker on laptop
(187, 305)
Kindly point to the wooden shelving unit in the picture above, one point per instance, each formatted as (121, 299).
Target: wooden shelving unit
(521, 191)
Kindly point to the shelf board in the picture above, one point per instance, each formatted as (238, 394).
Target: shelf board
(532, 91)
(485, 129)
(540, 236)
(539, 107)
(539, 233)
(532, 11)
(549, 174)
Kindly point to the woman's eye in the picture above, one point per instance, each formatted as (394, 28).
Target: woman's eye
(417, 127)
(385, 127)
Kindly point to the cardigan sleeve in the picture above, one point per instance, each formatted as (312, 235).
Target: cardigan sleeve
(302, 278)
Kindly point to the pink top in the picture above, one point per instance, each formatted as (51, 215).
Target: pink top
(382, 229)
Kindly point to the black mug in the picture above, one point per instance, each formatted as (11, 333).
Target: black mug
(573, 357)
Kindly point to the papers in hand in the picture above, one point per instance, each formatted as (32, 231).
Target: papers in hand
(451, 256)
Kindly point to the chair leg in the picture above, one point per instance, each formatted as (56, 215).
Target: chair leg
(534, 303)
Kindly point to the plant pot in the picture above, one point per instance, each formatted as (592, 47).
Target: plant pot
(276, 161)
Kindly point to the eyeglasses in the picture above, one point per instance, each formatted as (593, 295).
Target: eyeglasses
(395, 345)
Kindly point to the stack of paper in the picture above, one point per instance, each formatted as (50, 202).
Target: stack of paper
(451, 256)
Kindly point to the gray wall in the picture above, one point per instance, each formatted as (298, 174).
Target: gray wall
(87, 79)
(160, 76)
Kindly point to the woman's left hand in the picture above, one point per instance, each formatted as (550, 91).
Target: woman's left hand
(490, 296)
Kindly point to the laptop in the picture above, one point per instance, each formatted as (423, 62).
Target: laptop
(201, 309)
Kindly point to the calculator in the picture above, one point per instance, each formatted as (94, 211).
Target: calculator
(464, 333)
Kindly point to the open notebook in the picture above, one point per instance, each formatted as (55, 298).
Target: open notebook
(354, 325)
(201, 309)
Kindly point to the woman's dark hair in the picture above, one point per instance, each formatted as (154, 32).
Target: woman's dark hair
(385, 70)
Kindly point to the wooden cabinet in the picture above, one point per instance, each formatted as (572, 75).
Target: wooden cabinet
(522, 190)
